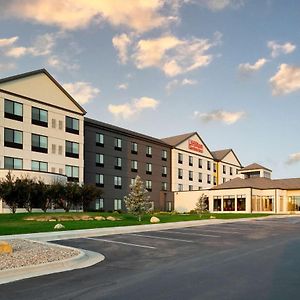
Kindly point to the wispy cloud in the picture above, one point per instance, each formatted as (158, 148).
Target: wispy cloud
(82, 92)
(7, 67)
(121, 43)
(248, 68)
(277, 49)
(122, 86)
(8, 41)
(176, 83)
(60, 64)
(220, 116)
(218, 5)
(286, 80)
(293, 158)
(136, 106)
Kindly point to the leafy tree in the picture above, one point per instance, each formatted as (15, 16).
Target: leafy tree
(137, 202)
(89, 193)
(201, 206)
(40, 196)
(24, 187)
(71, 197)
(56, 193)
(9, 192)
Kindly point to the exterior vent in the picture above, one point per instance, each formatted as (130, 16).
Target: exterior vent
(60, 150)
(53, 123)
(53, 148)
(60, 124)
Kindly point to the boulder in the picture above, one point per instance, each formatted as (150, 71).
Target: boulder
(212, 217)
(59, 226)
(99, 218)
(52, 220)
(111, 218)
(154, 220)
(5, 248)
(86, 218)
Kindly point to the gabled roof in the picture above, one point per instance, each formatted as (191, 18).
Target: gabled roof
(178, 139)
(220, 154)
(40, 71)
(254, 166)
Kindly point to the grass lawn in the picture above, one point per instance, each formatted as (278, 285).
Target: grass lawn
(15, 223)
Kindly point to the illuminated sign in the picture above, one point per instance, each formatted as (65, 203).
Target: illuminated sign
(195, 146)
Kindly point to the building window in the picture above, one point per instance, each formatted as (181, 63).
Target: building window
(132, 182)
(99, 160)
(164, 171)
(215, 180)
(164, 186)
(39, 143)
(224, 180)
(200, 177)
(72, 172)
(208, 165)
(134, 166)
(190, 161)
(190, 187)
(99, 139)
(72, 149)
(117, 204)
(217, 203)
(228, 203)
(39, 117)
(13, 163)
(180, 173)
(13, 110)
(149, 151)
(13, 138)
(99, 204)
(190, 175)
(118, 144)
(164, 155)
(169, 206)
(180, 158)
(72, 125)
(215, 167)
(241, 202)
(149, 185)
(200, 163)
(118, 182)
(208, 178)
(100, 180)
(148, 168)
(40, 166)
(118, 163)
(134, 148)
(224, 169)
(230, 170)
(180, 187)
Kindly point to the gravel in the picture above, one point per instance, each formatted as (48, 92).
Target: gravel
(28, 253)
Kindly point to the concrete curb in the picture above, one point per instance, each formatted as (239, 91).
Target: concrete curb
(83, 260)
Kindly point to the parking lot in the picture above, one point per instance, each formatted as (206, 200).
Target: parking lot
(253, 259)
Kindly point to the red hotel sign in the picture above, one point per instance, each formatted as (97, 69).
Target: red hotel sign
(195, 146)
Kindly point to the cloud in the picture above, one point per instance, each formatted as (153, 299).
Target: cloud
(174, 56)
(82, 92)
(248, 68)
(293, 158)
(176, 83)
(217, 5)
(121, 43)
(286, 80)
(60, 64)
(122, 86)
(220, 116)
(8, 42)
(139, 15)
(277, 49)
(7, 67)
(128, 110)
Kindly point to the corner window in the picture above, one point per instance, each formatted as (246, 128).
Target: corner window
(72, 125)
(164, 171)
(164, 186)
(99, 139)
(39, 143)
(72, 172)
(164, 155)
(13, 110)
(13, 163)
(39, 117)
(72, 149)
(13, 138)
(39, 166)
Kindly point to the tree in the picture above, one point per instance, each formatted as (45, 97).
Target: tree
(71, 197)
(56, 192)
(137, 202)
(89, 193)
(201, 206)
(23, 187)
(40, 196)
(9, 193)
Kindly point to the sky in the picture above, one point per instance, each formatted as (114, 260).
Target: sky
(228, 69)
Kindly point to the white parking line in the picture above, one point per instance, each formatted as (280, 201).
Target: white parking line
(122, 243)
(160, 238)
(213, 230)
(189, 233)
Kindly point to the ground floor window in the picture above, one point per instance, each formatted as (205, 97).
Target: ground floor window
(228, 203)
(217, 203)
(117, 204)
(294, 203)
(169, 206)
(281, 204)
(262, 203)
(241, 202)
(99, 204)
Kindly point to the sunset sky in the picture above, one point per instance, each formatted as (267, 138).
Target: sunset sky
(228, 69)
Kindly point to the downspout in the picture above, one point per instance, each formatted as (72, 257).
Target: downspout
(251, 200)
(275, 202)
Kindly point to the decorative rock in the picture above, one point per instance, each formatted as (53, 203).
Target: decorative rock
(212, 217)
(110, 218)
(52, 220)
(154, 220)
(5, 248)
(59, 226)
(99, 218)
(86, 218)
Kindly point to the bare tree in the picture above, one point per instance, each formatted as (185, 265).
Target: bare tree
(201, 206)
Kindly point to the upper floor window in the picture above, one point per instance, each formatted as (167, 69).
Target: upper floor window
(118, 182)
(13, 138)
(72, 149)
(13, 110)
(149, 185)
(230, 171)
(200, 177)
(215, 180)
(191, 175)
(180, 187)
(200, 163)
(164, 186)
(191, 161)
(164, 155)
(180, 173)
(13, 163)
(190, 187)
(118, 163)
(208, 178)
(224, 169)
(99, 139)
(118, 144)
(100, 180)
(39, 116)
(149, 151)
(99, 160)
(215, 167)
(72, 172)
(208, 165)
(39, 143)
(134, 166)
(180, 158)
(134, 148)
(72, 125)
(149, 168)
(164, 171)
(39, 166)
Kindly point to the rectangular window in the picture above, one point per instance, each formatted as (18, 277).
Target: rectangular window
(241, 202)
(190, 175)
(99, 160)
(180, 187)
(215, 167)
(190, 187)
(40, 166)
(224, 180)
(180, 173)
(169, 205)
(180, 158)
(217, 203)
(13, 138)
(132, 181)
(164, 155)
(148, 168)
(99, 139)
(117, 204)
(164, 171)
(208, 165)
(118, 163)
(118, 144)
(39, 143)
(190, 161)
(230, 170)
(13, 110)
(200, 177)
(72, 149)
(39, 117)
(118, 182)
(13, 163)
(200, 163)
(215, 180)
(149, 185)
(100, 180)
(229, 203)
(149, 151)
(72, 125)
(208, 178)
(99, 204)
(134, 148)
(224, 169)
(164, 186)
(134, 166)
(72, 172)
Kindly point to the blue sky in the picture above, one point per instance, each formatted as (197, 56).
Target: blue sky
(228, 69)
